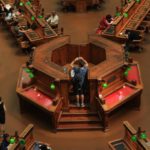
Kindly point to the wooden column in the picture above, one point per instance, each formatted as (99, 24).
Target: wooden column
(81, 5)
(93, 93)
(64, 91)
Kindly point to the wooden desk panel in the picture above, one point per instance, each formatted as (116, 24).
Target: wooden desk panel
(32, 35)
(80, 5)
(136, 13)
(42, 32)
(126, 142)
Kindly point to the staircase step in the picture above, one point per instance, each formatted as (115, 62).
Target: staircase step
(69, 127)
(78, 114)
(79, 119)
(79, 111)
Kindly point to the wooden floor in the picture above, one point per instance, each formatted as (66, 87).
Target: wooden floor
(78, 25)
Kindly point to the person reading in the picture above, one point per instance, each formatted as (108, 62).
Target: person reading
(131, 36)
(104, 23)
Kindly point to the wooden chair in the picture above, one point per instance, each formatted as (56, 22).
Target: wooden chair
(24, 45)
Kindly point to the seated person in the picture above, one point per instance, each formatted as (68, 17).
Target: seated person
(67, 5)
(9, 17)
(96, 3)
(131, 36)
(79, 79)
(16, 13)
(16, 30)
(5, 142)
(44, 147)
(9, 11)
(105, 22)
(53, 20)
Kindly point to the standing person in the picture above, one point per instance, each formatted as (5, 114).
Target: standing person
(79, 79)
(2, 115)
(53, 20)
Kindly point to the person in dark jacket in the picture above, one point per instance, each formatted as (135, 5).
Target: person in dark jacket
(131, 36)
(5, 142)
(2, 115)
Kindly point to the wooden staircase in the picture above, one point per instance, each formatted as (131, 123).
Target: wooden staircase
(79, 119)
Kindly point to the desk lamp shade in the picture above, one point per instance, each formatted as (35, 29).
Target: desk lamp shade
(118, 14)
(32, 18)
(128, 68)
(31, 75)
(143, 136)
(22, 142)
(125, 15)
(52, 86)
(126, 73)
(134, 138)
(28, 3)
(105, 85)
(12, 140)
(40, 16)
(27, 70)
(138, 1)
(21, 4)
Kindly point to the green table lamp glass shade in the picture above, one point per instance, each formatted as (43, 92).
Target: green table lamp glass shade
(32, 18)
(138, 1)
(118, 14)
(40, 16)
(27, 70)
(126, 73)
(129, 68)
(52, 86)
(143, 136)
(21, 4)
(12, 140)
(28, 3)
(22, 142)
(31, 75)
(125, 15)
(134, 138)
(105, 85)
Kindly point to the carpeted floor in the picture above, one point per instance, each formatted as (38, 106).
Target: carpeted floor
(78, 25)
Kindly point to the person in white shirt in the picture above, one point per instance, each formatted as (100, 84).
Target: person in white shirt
(53, 20)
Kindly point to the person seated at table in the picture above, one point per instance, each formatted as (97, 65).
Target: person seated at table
(17, 30)
(9, 14)
(5, 142)
(7, 8)
(53, 20)
(44, 147)
(131, 37)
(67, 6)
(79, 79)
(96, 3)
(105, 22)
(16, 13)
